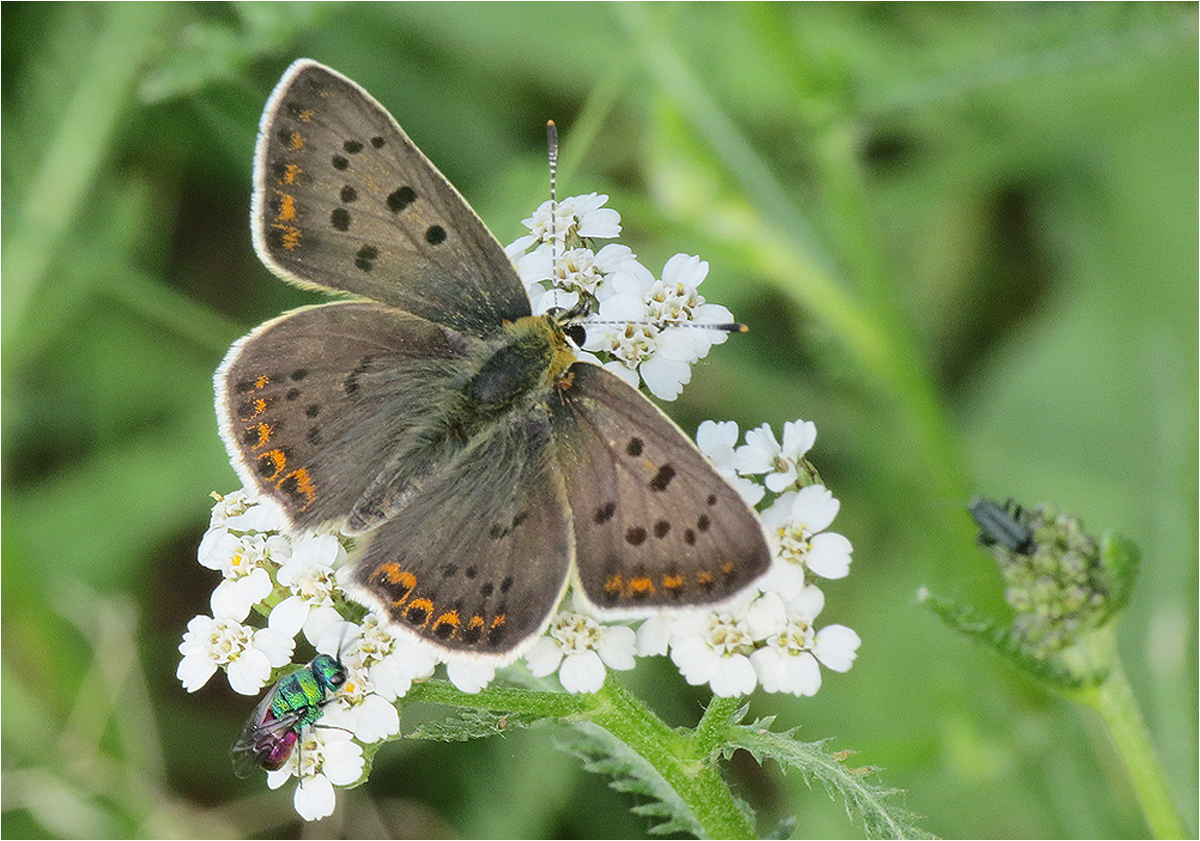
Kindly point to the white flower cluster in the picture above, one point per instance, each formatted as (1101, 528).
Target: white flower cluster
(638, 327)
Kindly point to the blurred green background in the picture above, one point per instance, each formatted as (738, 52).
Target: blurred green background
(965, 239)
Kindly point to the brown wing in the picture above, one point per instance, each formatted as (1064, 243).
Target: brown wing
(655, 524)
(477, 559)
(315, 404)
(344, 200)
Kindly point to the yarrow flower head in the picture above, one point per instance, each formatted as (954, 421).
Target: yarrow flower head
(579, 648)
(643, 329)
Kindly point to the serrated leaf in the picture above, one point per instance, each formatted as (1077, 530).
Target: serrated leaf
(602, 753)
(1000, 638)
(869, 800)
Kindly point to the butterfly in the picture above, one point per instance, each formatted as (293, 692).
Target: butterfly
(481, 463)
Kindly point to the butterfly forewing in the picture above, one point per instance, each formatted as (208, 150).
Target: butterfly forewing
(655, 524)
(313, 404)
(477, 560)
(344, 200)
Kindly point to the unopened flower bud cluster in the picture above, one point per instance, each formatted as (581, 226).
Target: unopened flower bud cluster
(1060, 588)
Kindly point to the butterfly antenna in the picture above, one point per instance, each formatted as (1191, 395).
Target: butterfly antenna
(552, 148)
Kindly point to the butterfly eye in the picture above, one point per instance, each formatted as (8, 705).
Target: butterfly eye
(576, 334)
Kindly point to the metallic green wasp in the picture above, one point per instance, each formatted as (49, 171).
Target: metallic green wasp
(294, 702)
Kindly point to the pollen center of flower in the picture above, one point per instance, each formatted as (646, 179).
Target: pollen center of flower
(316, 586)
(727, 637)
(228, 640)
(794, 542)
(576, 633)
(795, 639)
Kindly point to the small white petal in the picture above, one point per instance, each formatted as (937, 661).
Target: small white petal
(653, 635)
(288, 616)
(623, 371)
(781, 480)
(786, 579)
(582, 672)
(470, 677)
(665, 377)
(759, 452)
(343, 761)
(194, 671)
(829, 555)
(249, 672)
(262, 517)
(766, 616)
(320, 619)
(808, 603)
(798, 438)
(734, 676)
(814, 507)
(314, 798)
(696, 661)
(620, 642)
(544, 658)
(375, 720)
(837, 647)
(277, 647)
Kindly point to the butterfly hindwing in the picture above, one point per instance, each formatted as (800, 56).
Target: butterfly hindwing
(478, 558)
(344, 200)
(655, 524)
(314, 404)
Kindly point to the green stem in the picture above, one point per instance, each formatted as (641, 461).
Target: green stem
(694, 778)
(1113, 699)
(685, 762)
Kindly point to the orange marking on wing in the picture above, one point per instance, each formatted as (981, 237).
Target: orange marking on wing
(641, 586)
(396, 574)
(613, 584)
(291, 236)
(264, 435)
(287, 207)
(704, 577)
(291, 172)
(727, 567)
(304, 486)
(476, 622)
(500, 621)
(305, 115)
(277, 459)
(261, 381)
(672, 582)
(425, 606)
(450, 618)
(296, 141)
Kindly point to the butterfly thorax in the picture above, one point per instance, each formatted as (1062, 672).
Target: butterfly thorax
(533, 354)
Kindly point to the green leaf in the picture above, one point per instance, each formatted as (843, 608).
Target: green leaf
(604, 754)
(881, 818)
(1000, 638)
